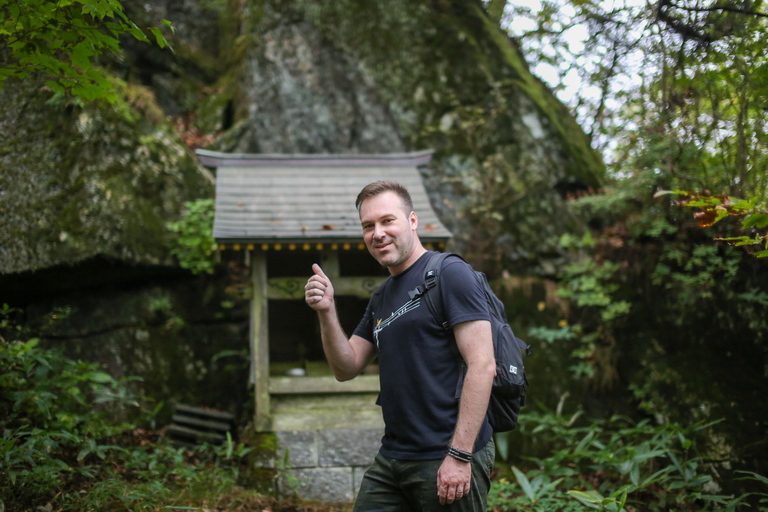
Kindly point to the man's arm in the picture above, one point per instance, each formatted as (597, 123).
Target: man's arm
(346, 356)
(475, 343)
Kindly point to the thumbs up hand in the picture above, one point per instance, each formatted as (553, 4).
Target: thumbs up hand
(318, 292)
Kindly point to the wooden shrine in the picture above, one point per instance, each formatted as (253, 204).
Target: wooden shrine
(285, 212)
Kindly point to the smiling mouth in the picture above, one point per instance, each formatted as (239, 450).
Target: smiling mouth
(384, 246)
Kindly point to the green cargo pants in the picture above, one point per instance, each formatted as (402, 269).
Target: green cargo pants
(392, 485)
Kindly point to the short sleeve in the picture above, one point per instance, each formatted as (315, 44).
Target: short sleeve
(462, 293)
(365, 328)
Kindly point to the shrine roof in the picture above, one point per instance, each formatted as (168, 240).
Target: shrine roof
(297, 197)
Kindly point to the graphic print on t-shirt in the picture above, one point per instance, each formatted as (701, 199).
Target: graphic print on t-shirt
(381, 324)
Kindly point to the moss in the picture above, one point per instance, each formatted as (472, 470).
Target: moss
(261, 460)
(212, 108)
(85, 181)
(586, 166)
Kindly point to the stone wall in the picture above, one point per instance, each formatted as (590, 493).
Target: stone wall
(325, 465)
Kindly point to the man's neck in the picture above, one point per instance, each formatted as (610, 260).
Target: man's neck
(417, 253)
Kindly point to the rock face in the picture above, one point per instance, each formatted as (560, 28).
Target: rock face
(303, 95)
(84, 182)
(86, 191)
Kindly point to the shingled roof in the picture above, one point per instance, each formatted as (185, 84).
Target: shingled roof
(301, 198)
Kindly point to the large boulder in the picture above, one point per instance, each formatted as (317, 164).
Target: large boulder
(81, 182)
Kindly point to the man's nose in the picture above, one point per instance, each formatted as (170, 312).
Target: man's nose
(378, 232)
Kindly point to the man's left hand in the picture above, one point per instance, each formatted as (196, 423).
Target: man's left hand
(453, 480)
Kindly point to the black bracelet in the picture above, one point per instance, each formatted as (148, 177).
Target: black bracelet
(459, 455)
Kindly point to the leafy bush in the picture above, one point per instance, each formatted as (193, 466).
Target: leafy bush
(52, 409)
(194, 245)
(612, 465)
(65, 441)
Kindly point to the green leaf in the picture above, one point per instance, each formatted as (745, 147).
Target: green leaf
(83, 453)
(56, 87)
(502, 444)
(752, 476)
(169, 25)
(524, 483)
(80, 55)
(623, 499)
(100, 377)
(592, 499)
(43, 406)
(158, 37)
(758, 220)
(761, 254)
(58, 463)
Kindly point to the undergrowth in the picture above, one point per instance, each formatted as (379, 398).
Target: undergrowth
(73, 438)
(66, 443)
(615, 465)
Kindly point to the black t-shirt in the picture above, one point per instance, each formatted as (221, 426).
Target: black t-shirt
(419, 362)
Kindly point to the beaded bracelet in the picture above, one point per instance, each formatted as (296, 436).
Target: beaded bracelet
(459, 455)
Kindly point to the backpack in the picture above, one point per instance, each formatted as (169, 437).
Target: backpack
(510, 384)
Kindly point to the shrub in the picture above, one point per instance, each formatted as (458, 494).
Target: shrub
(65, 442)
(612, 465)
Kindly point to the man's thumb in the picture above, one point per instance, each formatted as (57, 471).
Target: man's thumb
(317, 270)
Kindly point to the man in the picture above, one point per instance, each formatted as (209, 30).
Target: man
(437, 449)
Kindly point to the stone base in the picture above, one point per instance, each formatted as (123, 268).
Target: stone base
(325, 465)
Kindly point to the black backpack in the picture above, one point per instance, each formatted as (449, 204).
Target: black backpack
(510, 385)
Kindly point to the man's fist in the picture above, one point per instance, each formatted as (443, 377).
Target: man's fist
(318, 292)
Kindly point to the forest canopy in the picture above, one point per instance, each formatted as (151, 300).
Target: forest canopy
(66, 39)
(673, 94)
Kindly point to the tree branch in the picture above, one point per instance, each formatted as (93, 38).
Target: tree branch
(685, 30)
(722, 8)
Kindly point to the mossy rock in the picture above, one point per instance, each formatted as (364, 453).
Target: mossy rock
(86, 181)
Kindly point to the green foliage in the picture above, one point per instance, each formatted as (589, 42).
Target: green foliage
(612, 465)
(66, 441)
(660, 319)
(593, 287)
(194, 245)
(53, 410)
(711, 210)
(63, 38)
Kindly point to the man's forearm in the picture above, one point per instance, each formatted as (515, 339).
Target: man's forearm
(473, 404)
(338, 351)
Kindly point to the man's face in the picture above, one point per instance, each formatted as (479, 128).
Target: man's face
(389, 231)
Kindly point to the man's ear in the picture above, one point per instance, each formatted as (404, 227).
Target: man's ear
(414, 221)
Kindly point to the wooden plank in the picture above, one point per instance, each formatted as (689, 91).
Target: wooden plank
(184, 420)
(313, 385)
(293, 287)
(260, 342)
(208, 413)
(176, 430)
(326, 412)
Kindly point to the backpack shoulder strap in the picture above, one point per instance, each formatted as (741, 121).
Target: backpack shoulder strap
(431, 282)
